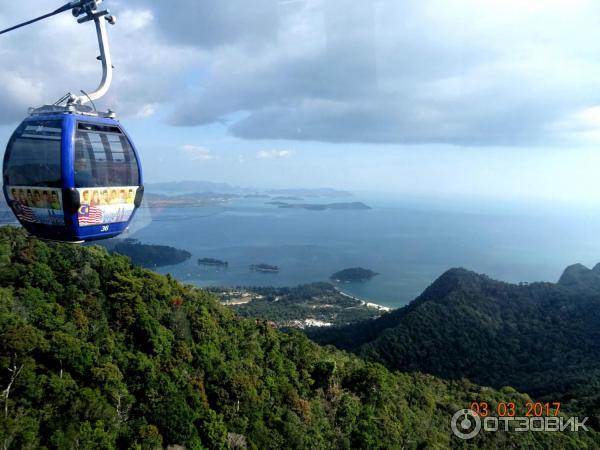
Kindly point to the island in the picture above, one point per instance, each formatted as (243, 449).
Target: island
(314, 193)
(212, 262)
(148, 255)
(192, 200)
(321, 206)
(256, 196)
(354, 274)
(265, 268)
(287, 198)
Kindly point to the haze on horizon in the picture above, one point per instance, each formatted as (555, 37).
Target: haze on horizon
(462, 98)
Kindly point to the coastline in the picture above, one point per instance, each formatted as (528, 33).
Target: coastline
(364, 302)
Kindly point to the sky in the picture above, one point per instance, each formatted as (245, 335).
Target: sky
(490, 99)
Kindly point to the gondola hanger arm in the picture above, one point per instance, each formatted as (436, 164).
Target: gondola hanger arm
(84, 11)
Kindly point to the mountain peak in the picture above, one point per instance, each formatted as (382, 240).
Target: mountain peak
(580, 275)
(452, 280)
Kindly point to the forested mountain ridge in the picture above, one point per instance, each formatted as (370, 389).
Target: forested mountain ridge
(577, 275)
(96, 353)
(541, 338)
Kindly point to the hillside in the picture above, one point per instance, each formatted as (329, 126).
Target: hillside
(98, 354)
(541, 338)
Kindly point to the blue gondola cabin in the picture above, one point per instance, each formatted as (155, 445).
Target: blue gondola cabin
(72, 177)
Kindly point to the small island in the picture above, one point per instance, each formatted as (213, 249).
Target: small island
(287, 198)
(354, 274)
(321, 206)
(212, 262)
(265, 268)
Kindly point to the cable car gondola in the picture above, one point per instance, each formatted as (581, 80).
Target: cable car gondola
(72, 173)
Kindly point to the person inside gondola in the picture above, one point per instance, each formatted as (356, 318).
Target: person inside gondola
(83, 174)
(29, 198)
(15, 195)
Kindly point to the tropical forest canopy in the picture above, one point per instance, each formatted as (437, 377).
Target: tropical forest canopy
(96, 353)
(541, 338)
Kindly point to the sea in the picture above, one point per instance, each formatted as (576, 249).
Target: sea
(408, 243)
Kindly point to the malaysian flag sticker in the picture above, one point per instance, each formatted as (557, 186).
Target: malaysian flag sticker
(25, 213)
(89, 215)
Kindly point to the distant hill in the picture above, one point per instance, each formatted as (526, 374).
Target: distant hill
(321, 206)
(542, 338)
(190, 200)
(96, 353)
(313, 192)
(190, 186)
(195, 186)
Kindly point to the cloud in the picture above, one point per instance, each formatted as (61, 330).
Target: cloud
(16, 91)
(210, 24)
(197, 152)
(137, 19)
(582, 126)
(273, 154)
(461, 72)
(43, 61)
(146, 110)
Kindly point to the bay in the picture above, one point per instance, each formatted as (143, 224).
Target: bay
(408, 244)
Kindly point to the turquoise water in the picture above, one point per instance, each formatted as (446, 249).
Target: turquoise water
(409, 245)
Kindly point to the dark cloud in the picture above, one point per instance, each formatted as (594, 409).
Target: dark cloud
(462, 72)
(387, 72)
(388, 120)
(210, 24)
